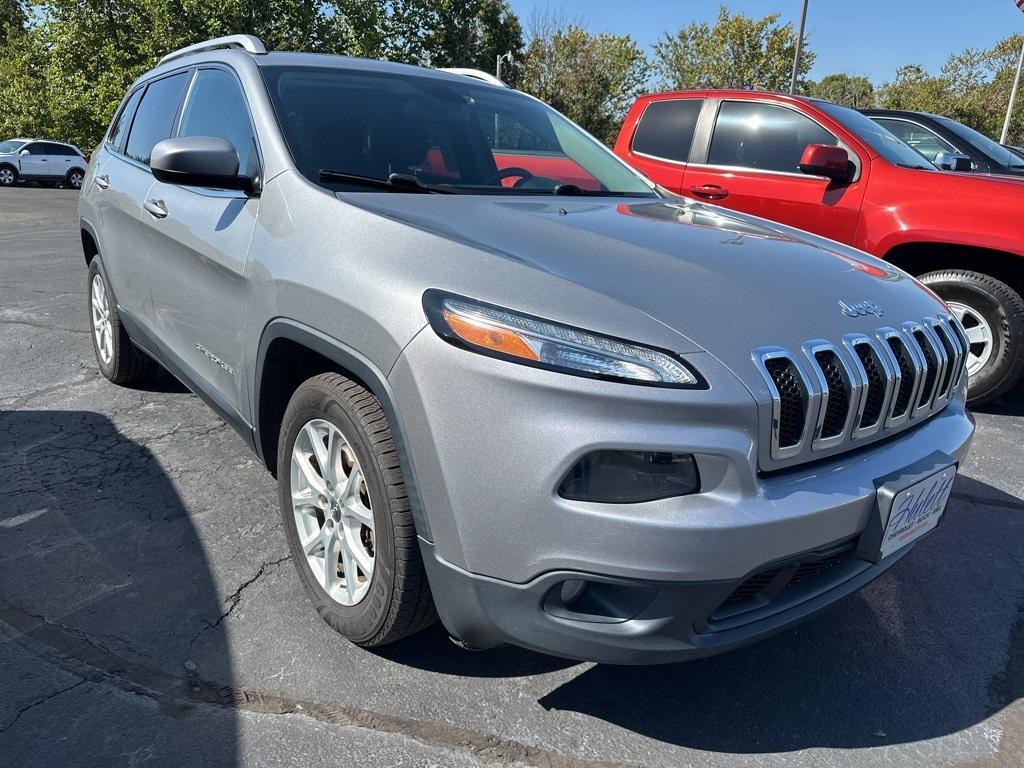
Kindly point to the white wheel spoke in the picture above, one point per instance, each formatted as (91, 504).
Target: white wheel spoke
(330, 516)
(977, 334)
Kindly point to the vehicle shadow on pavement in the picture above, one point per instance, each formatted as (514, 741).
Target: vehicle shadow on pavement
(907, 659)
(98, 561)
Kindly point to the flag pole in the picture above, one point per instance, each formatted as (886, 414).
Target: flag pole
(799, 51)
(1013, 98)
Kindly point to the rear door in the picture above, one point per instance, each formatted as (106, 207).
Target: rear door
(751, 163)
(196, 241)
(119, 185)
(663, 138)
(61, 158)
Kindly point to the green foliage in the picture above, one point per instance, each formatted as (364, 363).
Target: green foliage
(973, 88)
(590, 78)
(12, 19)
(738, 51)
(853, 91)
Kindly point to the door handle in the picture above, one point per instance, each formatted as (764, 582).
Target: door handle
(155, 208)
(710, 191)
(101, 181)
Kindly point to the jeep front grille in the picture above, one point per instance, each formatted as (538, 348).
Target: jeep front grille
(829, 395)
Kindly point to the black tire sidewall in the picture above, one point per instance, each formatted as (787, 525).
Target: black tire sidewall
(13, 180)
(360, 622)
(975, 292)
(109, 370)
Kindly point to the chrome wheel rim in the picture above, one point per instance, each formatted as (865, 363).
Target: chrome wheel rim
(102, 328)
(6, 176)
(979, 335)
(332, 511)
(76, 180)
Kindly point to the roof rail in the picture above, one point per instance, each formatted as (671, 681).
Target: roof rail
(476, 74)
(244, 42)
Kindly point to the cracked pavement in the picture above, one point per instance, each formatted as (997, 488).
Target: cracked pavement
(150, 615)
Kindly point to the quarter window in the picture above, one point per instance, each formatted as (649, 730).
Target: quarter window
(119, 128)
(763, 137)
(154, 120)
(666, 129)
(217, 108)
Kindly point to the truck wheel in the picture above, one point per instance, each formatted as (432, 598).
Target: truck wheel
(8, 176)
(992, 313)
(347, 515)
(119, 359)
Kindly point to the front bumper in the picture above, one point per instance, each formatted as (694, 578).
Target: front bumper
(489, 442)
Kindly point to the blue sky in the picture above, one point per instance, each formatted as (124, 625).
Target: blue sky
(865, 37)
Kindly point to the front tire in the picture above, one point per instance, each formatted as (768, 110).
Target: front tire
(346, 514)
(119, 360)
(992, 314)
(8, 176)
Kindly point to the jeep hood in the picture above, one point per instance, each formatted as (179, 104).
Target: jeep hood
(725, 281)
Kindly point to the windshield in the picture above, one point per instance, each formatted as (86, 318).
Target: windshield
(7, 147)
(454, 134)
(997, 152)
(875, 136)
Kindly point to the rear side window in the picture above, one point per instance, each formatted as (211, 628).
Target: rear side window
(217, 108)
(154, 120)
(119, 128)
(666, 129)
(763, 137)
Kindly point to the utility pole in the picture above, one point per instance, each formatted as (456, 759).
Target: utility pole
(799, 51)
(1013, 98)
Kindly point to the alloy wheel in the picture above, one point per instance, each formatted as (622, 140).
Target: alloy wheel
(75, 180)
(102, 328)
(332, 511)
(979, 335)
(6, 177)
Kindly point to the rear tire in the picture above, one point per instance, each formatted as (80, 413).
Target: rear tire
(74, 178)
(354, 437)
(993, 315)
(119, 360)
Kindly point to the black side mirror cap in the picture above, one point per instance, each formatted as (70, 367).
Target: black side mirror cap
(200, 161)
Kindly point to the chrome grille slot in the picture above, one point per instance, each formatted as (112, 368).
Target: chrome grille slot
(831, 396)
(836, 402)
(930, 368)
(793, 400)
(874, 395)
(908, 375)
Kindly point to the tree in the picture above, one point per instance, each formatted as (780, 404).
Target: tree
(12, 19)
(591, 78)
(738, 51)
(473, 33)
(852, 90)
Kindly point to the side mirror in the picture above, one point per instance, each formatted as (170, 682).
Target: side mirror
(24, 152)
(827, 160)
(951, 161)
(199, 161)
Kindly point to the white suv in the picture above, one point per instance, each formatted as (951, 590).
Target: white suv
(43, 161)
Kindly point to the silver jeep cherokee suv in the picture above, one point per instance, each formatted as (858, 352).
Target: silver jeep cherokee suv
(501, 378)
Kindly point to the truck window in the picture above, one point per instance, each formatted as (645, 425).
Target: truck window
(763, 136)
(666, 129)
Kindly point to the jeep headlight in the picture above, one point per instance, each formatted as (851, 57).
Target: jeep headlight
(529, 340)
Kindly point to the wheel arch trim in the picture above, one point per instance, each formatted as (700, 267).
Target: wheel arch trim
(358, 366)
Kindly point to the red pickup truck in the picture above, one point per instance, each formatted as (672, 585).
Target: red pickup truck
(832, 171)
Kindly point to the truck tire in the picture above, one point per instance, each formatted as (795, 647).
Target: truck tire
(347, 516)
(993, 315)
(119, 360)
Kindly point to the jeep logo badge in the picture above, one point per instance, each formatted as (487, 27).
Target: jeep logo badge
(860, 308)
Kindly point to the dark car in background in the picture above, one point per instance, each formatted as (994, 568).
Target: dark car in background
(931, 135)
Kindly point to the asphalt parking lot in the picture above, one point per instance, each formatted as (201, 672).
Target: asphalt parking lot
(150, 614)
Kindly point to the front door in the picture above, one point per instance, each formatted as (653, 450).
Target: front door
(196, 245)
(753, 165)
(32, 160)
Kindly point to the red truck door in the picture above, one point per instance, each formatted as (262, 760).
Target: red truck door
(751, 163)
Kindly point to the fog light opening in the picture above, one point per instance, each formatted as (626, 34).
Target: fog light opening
(571, 591)
(630, 477)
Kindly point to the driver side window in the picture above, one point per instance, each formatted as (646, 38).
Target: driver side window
(763, 137)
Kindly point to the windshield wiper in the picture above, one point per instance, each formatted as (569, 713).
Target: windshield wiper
(915, 167)
(396, 182)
